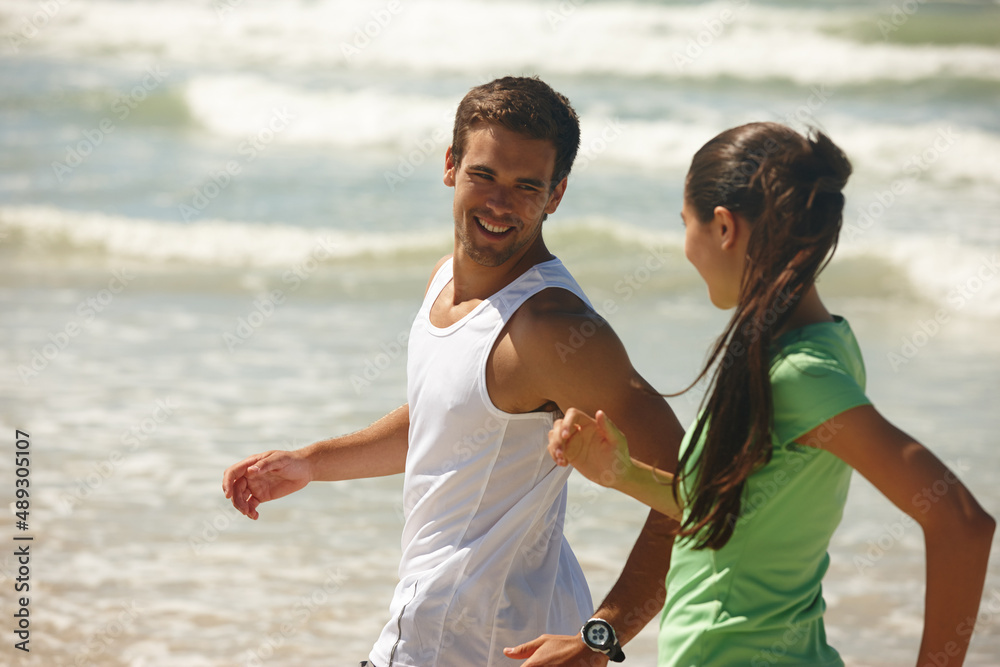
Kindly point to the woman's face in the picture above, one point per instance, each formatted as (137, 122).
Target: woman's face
(716, 248)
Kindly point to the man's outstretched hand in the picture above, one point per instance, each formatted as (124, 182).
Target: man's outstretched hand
(263, 477)
(556, 651)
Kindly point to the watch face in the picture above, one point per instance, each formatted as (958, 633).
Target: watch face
(598, 634)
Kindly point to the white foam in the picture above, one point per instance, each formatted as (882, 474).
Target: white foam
(662, 144)
(211, 243)
(253, 57)
(956, 275)
(959, 278)
(239, 106)
(800, 49)
(242, 106)
(578, 38)
(945, 153)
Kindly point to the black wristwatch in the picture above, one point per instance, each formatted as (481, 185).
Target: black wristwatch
(600, 636)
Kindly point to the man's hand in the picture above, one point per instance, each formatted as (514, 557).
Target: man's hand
(557, 651)
(263, 477)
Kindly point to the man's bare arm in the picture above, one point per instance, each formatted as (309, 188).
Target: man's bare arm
(375, 451)
(605, 374)
(638, 595)
(598, 374)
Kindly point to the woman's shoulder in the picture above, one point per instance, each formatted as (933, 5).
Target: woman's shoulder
(817, 348)
(816, 374)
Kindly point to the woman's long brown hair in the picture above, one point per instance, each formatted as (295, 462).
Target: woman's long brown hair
(788, 188)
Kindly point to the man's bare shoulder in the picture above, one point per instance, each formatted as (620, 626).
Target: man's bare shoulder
(558, 351)
(553, 307)
(552, 321)
(437, 267)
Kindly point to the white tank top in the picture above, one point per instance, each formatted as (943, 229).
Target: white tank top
(485, 564)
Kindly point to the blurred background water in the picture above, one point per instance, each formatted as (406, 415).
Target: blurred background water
(217, 219)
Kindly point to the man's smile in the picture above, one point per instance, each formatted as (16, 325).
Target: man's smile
(492, 229)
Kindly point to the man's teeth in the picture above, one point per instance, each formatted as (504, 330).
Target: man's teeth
(488, 227)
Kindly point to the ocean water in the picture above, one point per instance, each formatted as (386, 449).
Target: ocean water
(217, 219)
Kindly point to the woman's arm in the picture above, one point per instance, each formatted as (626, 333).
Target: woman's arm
(957, 531)
(600, 452)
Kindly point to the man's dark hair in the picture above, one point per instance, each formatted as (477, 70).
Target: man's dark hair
(526, 105)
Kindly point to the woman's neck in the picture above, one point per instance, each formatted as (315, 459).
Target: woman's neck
(809, 310)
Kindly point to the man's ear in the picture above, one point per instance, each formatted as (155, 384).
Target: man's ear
(449, 168)
(726, 226)
(556, 196)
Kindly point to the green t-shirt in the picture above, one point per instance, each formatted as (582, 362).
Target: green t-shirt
(758, 600)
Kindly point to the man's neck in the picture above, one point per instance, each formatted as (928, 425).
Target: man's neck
(475, 282)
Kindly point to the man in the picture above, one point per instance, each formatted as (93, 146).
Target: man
(485, 565)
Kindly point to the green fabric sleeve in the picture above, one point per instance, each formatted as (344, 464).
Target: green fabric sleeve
(808, 390)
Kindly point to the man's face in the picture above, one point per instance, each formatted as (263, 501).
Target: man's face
(501, 193)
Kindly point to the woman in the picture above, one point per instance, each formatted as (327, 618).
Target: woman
(764, 470)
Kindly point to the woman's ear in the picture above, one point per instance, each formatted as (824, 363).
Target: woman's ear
(726, 226)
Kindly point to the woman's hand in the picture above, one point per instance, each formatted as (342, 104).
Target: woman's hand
(595, 447)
